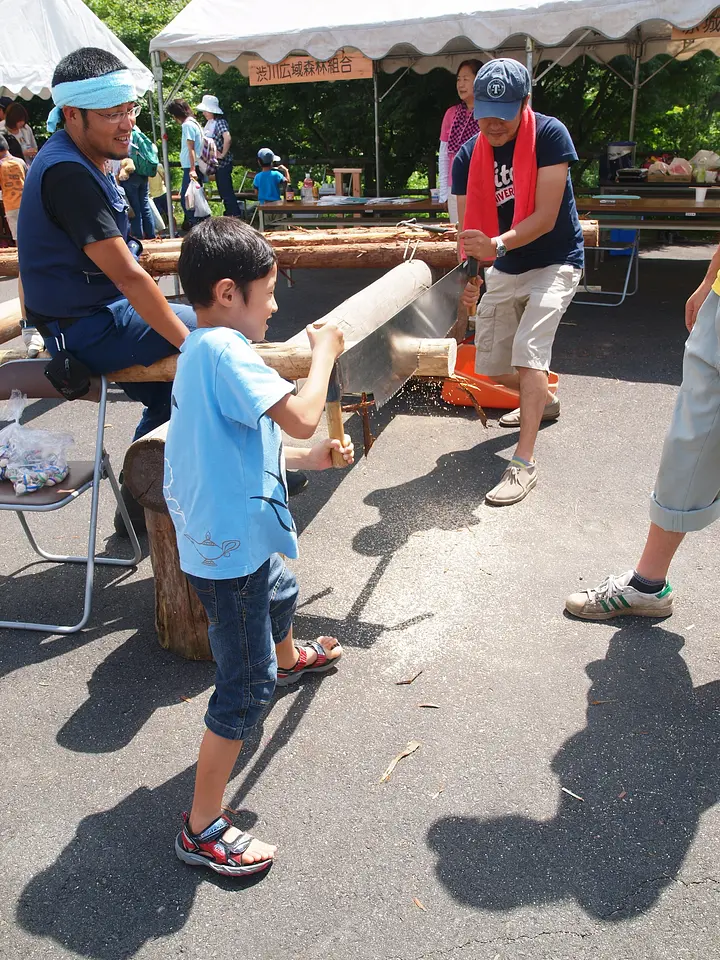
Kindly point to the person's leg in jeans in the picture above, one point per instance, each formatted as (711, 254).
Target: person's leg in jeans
(240, 632)
(686, 497)
(187, 214)
(146, 214)
(131, 186)
(223, 178)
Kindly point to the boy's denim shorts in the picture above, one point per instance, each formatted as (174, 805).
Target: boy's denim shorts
(247, 617)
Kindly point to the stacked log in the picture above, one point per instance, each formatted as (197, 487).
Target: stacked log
(368, 247)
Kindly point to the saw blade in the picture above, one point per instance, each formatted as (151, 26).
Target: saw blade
(385, 359)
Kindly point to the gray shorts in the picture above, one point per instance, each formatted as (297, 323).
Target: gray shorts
(518, 317)
(687, 489)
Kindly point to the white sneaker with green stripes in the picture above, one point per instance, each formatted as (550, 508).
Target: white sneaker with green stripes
(615, 598)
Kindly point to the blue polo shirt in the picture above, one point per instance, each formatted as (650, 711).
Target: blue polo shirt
(224, 479)
(564, 243)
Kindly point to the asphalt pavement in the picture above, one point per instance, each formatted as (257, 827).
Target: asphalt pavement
(563, 801)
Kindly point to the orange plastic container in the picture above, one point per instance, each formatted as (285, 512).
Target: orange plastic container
(485, 392)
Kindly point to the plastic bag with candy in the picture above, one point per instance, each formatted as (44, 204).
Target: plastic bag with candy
(29, 458)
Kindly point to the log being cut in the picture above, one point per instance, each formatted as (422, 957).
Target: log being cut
(368, 247)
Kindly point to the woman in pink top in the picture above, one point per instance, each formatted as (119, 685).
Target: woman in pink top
(458, 126)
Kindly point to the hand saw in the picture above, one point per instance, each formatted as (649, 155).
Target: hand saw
(383, 361)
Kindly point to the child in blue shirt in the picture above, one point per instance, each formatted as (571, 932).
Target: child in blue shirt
(226, 491)
(269, 182)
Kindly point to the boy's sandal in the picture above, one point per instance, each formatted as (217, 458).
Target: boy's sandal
(323, 663)
(208, 849)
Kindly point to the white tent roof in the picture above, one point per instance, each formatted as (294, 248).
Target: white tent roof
(36, 34)
(411, 32)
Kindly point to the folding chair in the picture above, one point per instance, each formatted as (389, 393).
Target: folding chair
(28, 376)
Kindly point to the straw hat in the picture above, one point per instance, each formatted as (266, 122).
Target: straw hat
(209, 104)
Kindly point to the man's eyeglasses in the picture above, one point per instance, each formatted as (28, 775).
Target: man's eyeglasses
(120, 115)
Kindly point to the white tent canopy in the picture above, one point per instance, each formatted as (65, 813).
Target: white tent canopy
(36, 34)
(230, 32)
(421, 34)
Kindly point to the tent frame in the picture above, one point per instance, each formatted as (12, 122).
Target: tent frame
(635, 85)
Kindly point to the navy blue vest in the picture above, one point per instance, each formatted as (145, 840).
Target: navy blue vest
(58, 279)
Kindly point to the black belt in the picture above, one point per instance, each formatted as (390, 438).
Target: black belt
(63, 323)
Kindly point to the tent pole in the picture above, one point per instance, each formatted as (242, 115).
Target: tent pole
(152, 115)
(157, 71)
(529, 60)
(635, 91)
(376, 105)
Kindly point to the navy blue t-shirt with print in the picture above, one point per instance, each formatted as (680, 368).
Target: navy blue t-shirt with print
(564, 243)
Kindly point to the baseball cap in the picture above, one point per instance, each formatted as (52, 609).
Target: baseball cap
(5, 102)
(266, 155)
(500, 88)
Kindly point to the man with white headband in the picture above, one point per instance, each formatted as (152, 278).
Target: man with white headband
(84, 289)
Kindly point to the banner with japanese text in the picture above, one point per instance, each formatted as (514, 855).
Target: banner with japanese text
(710, 27)
(343, 66)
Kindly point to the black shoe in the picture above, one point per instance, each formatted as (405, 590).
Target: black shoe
(137, 514)
(296, 482)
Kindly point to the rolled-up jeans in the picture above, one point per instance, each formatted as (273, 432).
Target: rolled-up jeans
(687, 490)
(116, 337)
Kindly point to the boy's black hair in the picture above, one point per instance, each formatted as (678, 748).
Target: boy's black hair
(180, 109)
(3, 144)
(85, 63)
(222, 248)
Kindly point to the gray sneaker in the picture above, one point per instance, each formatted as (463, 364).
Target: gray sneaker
(33, 342)
(551, 412)
(615, 598)
(515, 485)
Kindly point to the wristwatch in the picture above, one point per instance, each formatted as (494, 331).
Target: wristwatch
(500, 248)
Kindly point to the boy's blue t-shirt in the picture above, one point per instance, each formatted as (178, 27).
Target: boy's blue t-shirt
(224, 471)
(268, 184)
(190, 131)
(564, 243)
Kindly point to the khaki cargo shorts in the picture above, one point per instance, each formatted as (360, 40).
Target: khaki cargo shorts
(518, 317)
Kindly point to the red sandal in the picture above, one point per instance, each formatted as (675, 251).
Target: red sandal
(285, 677)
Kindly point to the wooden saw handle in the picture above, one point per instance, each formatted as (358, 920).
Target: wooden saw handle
(336, 429)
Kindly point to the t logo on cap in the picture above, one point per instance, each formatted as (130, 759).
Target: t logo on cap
(496, 88)
(500, 88)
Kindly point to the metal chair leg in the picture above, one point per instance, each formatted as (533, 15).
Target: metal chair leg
(90, 560)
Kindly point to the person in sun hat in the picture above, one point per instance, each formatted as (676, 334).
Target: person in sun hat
(518, 216)
(84, 289)
(216, 126)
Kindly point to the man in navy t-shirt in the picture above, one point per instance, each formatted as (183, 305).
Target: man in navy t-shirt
(536, 256)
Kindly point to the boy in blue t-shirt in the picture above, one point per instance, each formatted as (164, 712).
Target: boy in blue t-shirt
(269, 182)
(226, 491)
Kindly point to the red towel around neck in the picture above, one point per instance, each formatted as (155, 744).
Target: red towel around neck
(480, 205)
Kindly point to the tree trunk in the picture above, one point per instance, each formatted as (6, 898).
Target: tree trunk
(180, 618)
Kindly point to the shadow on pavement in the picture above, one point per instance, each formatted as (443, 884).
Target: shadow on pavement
(118, 883)
(646, 768)
(443, 499)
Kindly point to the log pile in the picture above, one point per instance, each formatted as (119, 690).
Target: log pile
(369, 247)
